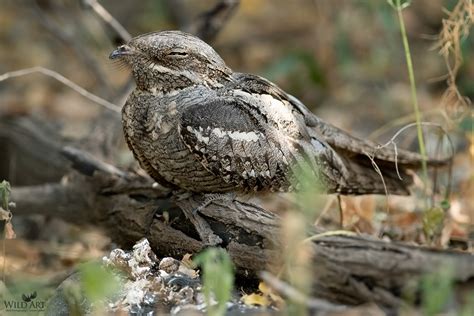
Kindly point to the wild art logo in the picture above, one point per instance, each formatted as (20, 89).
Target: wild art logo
(29, 298)
(28, 303)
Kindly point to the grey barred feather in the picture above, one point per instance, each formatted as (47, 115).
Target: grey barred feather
(195, 125)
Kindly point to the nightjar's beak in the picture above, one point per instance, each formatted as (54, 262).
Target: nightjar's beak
(120, 51)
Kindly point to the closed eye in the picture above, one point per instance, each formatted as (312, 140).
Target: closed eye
(177, 54)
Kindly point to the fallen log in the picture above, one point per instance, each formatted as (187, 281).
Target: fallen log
(347, 269)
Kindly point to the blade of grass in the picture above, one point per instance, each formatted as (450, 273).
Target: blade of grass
(5, 190)
(218, 279)
(399, 8)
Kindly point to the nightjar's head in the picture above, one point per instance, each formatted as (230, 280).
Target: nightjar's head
(169, 60)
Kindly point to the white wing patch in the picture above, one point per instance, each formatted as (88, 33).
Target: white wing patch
(277, 109)
(236, 135)
(200, 134)
(280, 112)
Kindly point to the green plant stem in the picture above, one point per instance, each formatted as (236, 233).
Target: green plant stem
(411, 75)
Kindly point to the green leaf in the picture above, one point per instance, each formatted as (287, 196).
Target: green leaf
(218, 279)
(98, 282)
(433, 219)
(445, 205)
(399, 4)
(310, 184)
(436, 289)
(293, 62)
(467, 124)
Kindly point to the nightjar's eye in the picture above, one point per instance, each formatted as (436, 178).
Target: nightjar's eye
(177, 54)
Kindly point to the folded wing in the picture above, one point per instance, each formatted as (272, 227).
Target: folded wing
(238, 142)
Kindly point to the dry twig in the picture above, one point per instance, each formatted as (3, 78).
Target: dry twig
(55, 75)
(70, 41)
(293, 294)
(209, 23)
(101, 12)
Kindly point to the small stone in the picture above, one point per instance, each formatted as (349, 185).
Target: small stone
(185, 296)
(169, 265)
(118, 259)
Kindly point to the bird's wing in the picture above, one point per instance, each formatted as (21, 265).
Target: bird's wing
(359, 175)
(256, 84)
(338, 139)
(342, 141)
(235, 137)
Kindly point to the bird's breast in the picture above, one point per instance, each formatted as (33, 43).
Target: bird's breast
(152, 126)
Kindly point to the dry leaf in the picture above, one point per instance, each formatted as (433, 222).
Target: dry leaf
(9, 232)
(357, 209)
(255, 299)
(188, 262)
(266, 290)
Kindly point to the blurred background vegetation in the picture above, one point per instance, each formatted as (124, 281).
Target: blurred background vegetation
(334, 57)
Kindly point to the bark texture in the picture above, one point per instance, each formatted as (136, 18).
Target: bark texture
(347, 269)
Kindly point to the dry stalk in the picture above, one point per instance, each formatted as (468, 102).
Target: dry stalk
(455, 28)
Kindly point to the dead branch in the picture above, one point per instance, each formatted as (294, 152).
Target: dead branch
(207, 24)
(211, 22)
(30, 151)
(290, 292)
(109, 20)
(83, 55)
(57, 76)
(348, 269)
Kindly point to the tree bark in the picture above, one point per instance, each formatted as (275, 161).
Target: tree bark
(347, 269)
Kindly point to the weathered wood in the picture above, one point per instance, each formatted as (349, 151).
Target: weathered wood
(347, 269)
(30, 151)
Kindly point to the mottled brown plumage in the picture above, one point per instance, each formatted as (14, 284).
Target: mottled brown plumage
(195, 125)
